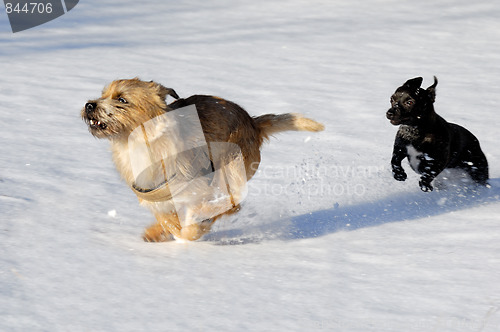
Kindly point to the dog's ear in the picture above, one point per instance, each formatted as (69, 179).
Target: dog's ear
(432, 89)
(163, 92)
(413, 84)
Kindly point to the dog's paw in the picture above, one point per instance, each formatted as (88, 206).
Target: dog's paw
(399, 173)
(157, 233)
(425, 186)
(194, 232)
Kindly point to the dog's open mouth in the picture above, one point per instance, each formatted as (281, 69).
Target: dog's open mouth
(96, 124)
(398, 121)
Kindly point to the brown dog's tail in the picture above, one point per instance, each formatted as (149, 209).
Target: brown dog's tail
(270, 124)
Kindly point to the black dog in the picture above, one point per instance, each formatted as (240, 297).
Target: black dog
(429, 142)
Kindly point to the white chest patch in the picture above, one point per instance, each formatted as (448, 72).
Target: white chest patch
(414, 157)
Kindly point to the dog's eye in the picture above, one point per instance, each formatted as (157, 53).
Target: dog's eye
(122, 100)
(409, 102)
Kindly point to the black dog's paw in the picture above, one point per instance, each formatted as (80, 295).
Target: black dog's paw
(425, 185)
(399, 173)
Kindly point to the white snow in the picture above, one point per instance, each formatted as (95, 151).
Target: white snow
(326, 238)
(112, 213)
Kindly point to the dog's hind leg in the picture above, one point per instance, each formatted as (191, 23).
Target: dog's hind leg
(477, 167)
(195, 231)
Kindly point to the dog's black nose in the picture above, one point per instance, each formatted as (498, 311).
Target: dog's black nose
(89, 107)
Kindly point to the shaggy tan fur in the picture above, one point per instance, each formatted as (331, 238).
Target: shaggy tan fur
(128, 104)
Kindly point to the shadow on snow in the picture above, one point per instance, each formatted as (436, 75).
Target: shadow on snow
(394, 208)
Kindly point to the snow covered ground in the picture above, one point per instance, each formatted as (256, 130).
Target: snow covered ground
(326, 239)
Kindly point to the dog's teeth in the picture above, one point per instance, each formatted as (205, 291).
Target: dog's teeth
(93, 122)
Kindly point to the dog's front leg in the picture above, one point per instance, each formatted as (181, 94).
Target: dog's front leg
(429, 168)
(167, 224)
(399, 153)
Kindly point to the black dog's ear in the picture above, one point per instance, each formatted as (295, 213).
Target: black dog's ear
(432, 89)
(413, 84)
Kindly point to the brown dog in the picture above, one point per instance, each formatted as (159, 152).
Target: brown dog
(133, 114)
